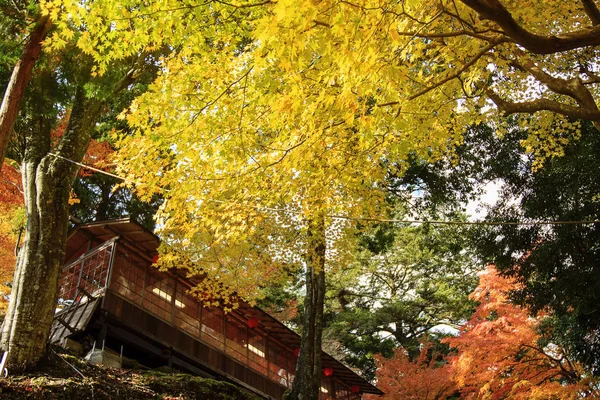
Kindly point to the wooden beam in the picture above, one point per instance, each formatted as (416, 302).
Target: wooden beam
(63, 323)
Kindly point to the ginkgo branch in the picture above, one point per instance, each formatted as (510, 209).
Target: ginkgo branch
(249, 5)
(461, 70)
(164, 10)
(495, 11)
(508, 107)
(592, 11)
(573, 87)
(441, 35)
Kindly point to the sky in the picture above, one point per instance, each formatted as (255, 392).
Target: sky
(476, 209)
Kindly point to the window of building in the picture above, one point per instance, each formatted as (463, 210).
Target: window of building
(344, 393)
(94, 270)
(89, 274)
(327, 389)
(187, 311)
(158, 295)
(279, 370)
(237, 339)
(68, 286)
(128, 276)
(257, 357)
(212, 326)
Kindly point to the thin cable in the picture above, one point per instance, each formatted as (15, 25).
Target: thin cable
(87, 166)
(413, 221)
(438, 222)
(70, 365)
(350, 218)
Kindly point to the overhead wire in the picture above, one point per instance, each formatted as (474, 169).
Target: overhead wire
(371, 219)
(87, 166)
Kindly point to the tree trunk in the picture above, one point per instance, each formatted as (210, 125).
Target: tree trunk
(18, 82)
(307, 382)
(47, 182)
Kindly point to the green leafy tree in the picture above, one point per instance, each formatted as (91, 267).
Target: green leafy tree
(558, 266)
(407, 281)
(99, 196)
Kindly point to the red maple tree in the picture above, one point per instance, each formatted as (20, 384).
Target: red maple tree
(425, 378)
(498, 357)
(11, 202)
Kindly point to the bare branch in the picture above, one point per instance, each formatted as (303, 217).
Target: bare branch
(591, 9)
(509, 107)
(494, 10)
(573, 87)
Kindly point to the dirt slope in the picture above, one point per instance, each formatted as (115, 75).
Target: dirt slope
(63, 376)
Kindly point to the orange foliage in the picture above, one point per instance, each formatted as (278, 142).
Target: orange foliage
(11, 200)
(286, 313)
(97, 154)
(498, 352)
(421, 379)
(11, 191)
(498, 358)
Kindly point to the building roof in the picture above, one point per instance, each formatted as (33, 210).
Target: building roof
(145, 243)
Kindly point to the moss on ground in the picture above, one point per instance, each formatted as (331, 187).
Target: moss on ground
(63, 376)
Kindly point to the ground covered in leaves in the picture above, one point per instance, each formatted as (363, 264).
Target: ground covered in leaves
(64, 376)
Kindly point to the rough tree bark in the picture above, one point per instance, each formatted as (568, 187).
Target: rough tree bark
(21, 75)
(47, 182)
(307, 382)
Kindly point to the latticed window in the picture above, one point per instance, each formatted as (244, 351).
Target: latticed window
(237, 339)
(128, 276)
(257, 349)
(212, 326)
(344, 393)
(86, 275)
(68, 287)
(279, 366)
(187, 311)
(94, 270)
(158, 295)
(327, 389)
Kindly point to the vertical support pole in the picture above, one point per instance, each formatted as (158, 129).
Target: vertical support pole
(111, 262)
(173, 297)
(333, 388)
(200, 305)
(224, 332)
(247, 344)
(113, 255)
(103, 330)
(169, 358)
(268, 355)
(81, 266)
(144, 284)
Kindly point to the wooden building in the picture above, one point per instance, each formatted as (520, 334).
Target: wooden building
(112, 295)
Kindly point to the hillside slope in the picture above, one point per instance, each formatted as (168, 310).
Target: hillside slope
(63, 376)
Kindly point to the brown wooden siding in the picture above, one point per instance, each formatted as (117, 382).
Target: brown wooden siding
(159, 330)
